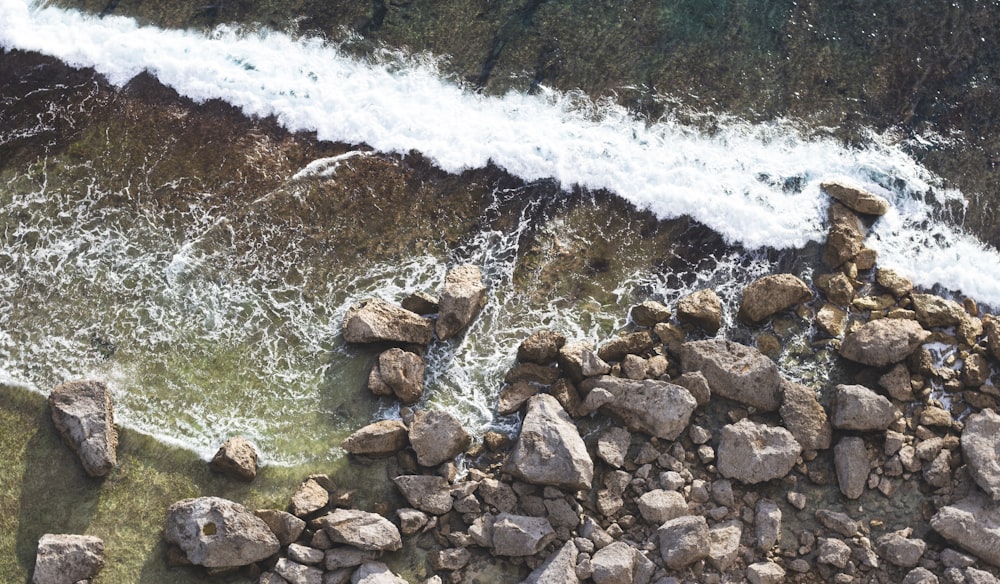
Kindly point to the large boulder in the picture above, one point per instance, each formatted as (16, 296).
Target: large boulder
(84, 416)
(430, 493)
(703, 310)
(657, 408)
(559, 568)
(631, 344)
(805, 417)
(217, 533)
(684, 541)
(982, 450)
(437, 436)
(377, 321)
(398, 372)
(363, 530)
(462, 297)
(541, 347)
(520, 535)
(381, 438)
(858, 408)
(972, 524)
(735, 372)
(883, 342)
(236, 457)
(769, 295)
(65, 559)
(754, 453)
(549, 450)
(856, 198)
(934, 311)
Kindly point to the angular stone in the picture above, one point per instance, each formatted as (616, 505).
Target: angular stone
(735, 372)
(631, 344)
(426, 492)
(724, 544)
(375, 573)
(658, 506)
(613, 564)
(769, 295)
(376, 321)
(844, 240)
(236, 457)
(838, 522)
(541, 347)
(559, 568)
(346, 557)
(767, 524)
(695, 382)
(398, 372)
(514, 396)
(217, 533)
(981, 450)
(411, 520)
(363, 530)
(612, 446)
(549, 450)
(649, 313)
(804, 417)
(285, 526)
(449, 560)
(379, 439)
(437, 436)
(765, 573)
(532, 373)
(896, 283)
(702, 309)
(754, 453)
(462, 297)
(883, 342)
(934, 311)
(571, 359)
(296, 573)
(858, 408)
(591, 365)
(856, 198)
(420, 303)
(657, 408)
(520, 535)
(85, 418)
(309, 498)
(833, 552)
(899, 549)
(850, 457)
(972, 524)
(684, 541)
(831, 319)
(65, 559)
(897, 383)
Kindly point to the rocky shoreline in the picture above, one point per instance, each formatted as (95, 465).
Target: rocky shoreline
(655, 456)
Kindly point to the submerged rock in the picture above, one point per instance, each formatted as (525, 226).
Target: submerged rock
(703, 310)
(735, 371)
(769, 295)
(236, 457)
(363, 530)
(66, 559)
(462, 297)
(381, 438)
(754, 453)
(549, 450)
(437, 436)
(657, 408)
(377, 321)
(84, 416)
(883, 342)
(856, 198)
(217, 533)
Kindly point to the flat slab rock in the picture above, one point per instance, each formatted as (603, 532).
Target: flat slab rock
(83, 414)
(754, 453)
(380, 438)
(735, 372)
(218, 533)
(363, 530)
(856, 198)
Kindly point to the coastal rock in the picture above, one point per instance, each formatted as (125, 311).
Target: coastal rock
(296, 573)
(724, 544)
(411, 520)
(972, 524)
(659, 505)
(236, 457)
(754, 453)
(767, 524)
(803, 416)
(398, 372)
(991, 325)
(897, 383)
(532, 373)
(856, 198)
(591, 365)
(769, 295)
(437, 436)
(850, 458)
(376, 573)
(703, 310)
(934, 311)
(765, 573)
(831, 319)
(84, 416)
(462, 297)
(571, 359)
(844, 239)
(346, 557)
(378, 439)
(559, 568)
(899, 549)
(541, 347)
(858, 408)
(838, 288)
(65, 559)
(696, 384)
(363, 530)
(649, 313)
(975, 370)
(420, 303)
(883, 342)
(735, 372)
(897, 284)
(520, 535)
(614, 564)
(684, 541)
(376, 321)
(549, 450)
(217, 533)
(308, 498)
(428, 493)
(630, 344)
(981, 452)
(612, 446)
(514, 396)
(657, 408)
(285, 526)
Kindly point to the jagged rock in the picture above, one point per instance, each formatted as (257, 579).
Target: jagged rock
(735, 371)
(837, 287)
(614, 564)
(858, 408)
(804, 417)
(376, 573)
(897, 383)
(833, 552)
(658, 506)
(591, 365)
(541, 347)
(612, 446)
(571, 359)
(346, 557)
(856, 198)
(217, 533)
(650, 313)
(753, 453)
(66, 559)
(851, 461)
(630, 344)
(426, 492)
(532, 373)
(236, 457)
(702, 309)
(724, 544)
(979, 446)
(376, 321)
(411, 520)
(684, 541)
(549, 450)
(449, 560)
(304, 554)
(991, 325)
(296, 573)
(899, 549)
(920, 576)
(838, 522)
(765, 573)
(657, 408)
(285, 526)
(769, 295)
(514, 396)
(497, 494)
(520, 535)
(767, 524)
(894, 282)
(831, 320)
(85, 418)
(695, 382)
(379, 439)
(398, 372)
(363, 530)
(462, 297)
(309, 497)
(975, 370)
(437, 436)
(974, 576)
(559, 568)
(845, 239)
(883, 342)
(420, 303)
(934, 311)
(634, 367)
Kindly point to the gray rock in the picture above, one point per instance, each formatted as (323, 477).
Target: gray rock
(658, 506)
(549, 450)
(979, 446)
(754, 453)
(724, 544)
(804, 417)
(411, 520)
(304, 554)
(308, 498)
(437, 436)
(735, 372)
(85, 418)
(649, 313)
(899, 549)
(838, 522)
(612, 446)
(375, 573)
(883, 342)
(769, 295)
(420, 303)
(541, 347)
(217, 533)
(285, 526)
(934, 311)
(498, 494)
(974, 576)
(559, 568)
(346, 557)
(844, 240)
(858, 408)
(236, 457)
(833, 552)
(591, 365)
(520, 535)
(695, 382)
(514, 396)
(767, 524)
(920, 576)
(376, 321)
(855, 198)
(65, 559)
(897, 383)
(449, 560)
(398, 372)
(765, 573)
(973, 524)
(363, 530)
(462, 297)
(631, 344)
(296, 573)
(684, 541)
(381, 438)
(703, 310)
(851, 460)
(657, 408)
(571, 359)
(613, 564)
(426, 492)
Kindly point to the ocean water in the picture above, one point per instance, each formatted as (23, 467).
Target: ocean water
(191, 217)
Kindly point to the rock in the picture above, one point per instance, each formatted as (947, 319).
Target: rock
(85, 418)
(974, 576)
(449, 560)
(532, 373)
(379, 439)
(975, 370)
(703, 310)
(894, 282)
(462, 297)
(363, 530)
(754, 453)
(767, 524)
(735, 372)
(612, 446)
(296, 573)
(899, 549)
(897, 383)
(634, 367)
(838, 288)
(437, 436)
(991, 324)
(883, 342)
(65, 559)
(346, 557)
(375, 573)
(838, 522)
(236, 457)
(217, 533)
(549, 450)
(804, 417)
(851, 460)
(309, 498)
(833, 552)
(855, 198)
(411, 520)
(613, 564)
(571, 359)
(630, 344)
(520, 535)
(935, 417)
(844, 240)
(420, 303)
(559, 568)
(398, 372)
(695, 383)
(934, 311)
(649, 313)
(765, 573)
(376, 321)
(591, 365)
(541, 347)
(858, 408)
(769, 295)
(514, 396)
(657, 408)
(920, 576)
(684, 541)
(497, 494)
(285, 526)
(724, 544)
(425, 492)
(658, 506)
(831, 320)
(979, 447)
